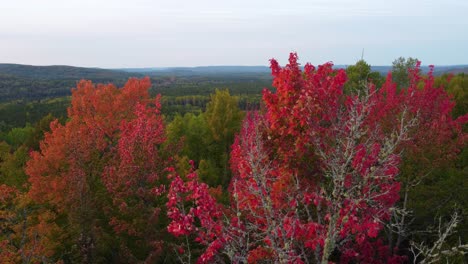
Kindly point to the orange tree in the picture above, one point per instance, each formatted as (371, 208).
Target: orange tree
(102, 174)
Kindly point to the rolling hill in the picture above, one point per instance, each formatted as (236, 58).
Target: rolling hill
(63, 72)
(27, 82)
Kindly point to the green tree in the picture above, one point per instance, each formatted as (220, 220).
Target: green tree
(11, 168)
(400, 69)
(224, 118)
(359, 75)
(37, 135)
(207, 137)
(195, 134)
(18, 135)
(456, 86)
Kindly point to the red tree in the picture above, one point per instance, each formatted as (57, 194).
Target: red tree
(102, 172)
(315, 175)
(136, 181)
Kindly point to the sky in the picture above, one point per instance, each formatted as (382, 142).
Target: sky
(157, 33)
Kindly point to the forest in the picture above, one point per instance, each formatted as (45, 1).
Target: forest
(303, 164)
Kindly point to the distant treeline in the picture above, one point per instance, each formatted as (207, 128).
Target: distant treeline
(13, 88)
(32, 83)
(27, 93)
(19, 113)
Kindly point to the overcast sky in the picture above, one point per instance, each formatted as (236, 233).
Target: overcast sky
(157, 33)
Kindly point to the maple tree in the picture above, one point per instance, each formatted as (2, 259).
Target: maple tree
(25, 230)
(136, 180)
(101, 172)
(315, 174)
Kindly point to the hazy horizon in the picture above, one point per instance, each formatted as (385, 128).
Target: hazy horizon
(220, 66)
(146, 33)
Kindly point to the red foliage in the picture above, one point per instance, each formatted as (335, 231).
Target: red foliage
(315, 174)
(105, 166)
(136, 177)
(57, 173)
(189, 201)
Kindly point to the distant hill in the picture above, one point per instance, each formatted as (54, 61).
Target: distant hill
(71, 72)
(27, 82)
(63, 72)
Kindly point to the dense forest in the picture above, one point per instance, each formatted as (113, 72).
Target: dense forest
(303, 164)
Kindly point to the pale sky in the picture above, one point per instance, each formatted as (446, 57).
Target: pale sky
(156, 33)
